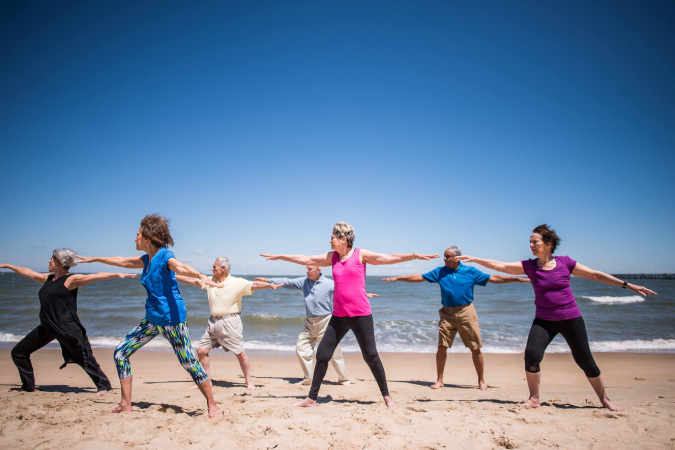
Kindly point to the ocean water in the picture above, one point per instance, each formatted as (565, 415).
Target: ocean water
(405, 314)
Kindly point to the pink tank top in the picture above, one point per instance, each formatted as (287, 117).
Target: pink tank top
(349, 298)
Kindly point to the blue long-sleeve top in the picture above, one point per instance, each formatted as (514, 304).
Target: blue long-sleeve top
(318, 294)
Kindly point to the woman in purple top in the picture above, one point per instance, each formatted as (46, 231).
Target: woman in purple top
(351, 308)
(556, 308)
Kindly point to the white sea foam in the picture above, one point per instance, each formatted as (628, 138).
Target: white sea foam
(616, 300)
(7, 337)
(638, 345)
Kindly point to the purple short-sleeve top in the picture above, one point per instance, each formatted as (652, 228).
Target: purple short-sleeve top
(552, 292)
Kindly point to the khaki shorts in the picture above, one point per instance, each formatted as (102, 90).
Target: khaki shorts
(226, 331)
(459, 318)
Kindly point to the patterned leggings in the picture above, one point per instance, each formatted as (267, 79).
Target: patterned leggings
(177, 335)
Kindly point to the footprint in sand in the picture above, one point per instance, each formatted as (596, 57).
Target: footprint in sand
(412, 408)
(505, 442)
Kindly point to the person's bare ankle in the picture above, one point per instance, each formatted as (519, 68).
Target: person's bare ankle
(122, 408)
(532, 402)
(606, 403)
(306, 403)
(214, 411)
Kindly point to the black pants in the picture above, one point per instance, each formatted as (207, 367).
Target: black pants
(574, 332)
(362, 326)
(43, 335)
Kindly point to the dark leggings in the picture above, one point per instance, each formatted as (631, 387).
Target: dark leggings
(362, 326)
(43, 335)
(574, 332)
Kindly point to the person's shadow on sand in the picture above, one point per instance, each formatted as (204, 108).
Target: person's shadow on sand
(61, 388)
(428, 384)
(509, 402)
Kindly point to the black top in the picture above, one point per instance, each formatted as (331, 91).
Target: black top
(58, 305)
(58, 311)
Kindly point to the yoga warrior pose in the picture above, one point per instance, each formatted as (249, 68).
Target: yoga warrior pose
(59, 320)
(351, 308)
(225, 327)
(457, 313)
(318, 293)
(165, 311)
(556, 308)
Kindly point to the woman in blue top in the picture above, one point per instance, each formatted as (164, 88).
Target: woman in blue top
(165, 311)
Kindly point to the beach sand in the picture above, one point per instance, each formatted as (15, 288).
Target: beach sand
(65, 413)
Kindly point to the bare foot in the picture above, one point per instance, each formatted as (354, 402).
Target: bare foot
(15, 390)
(389, 402)
(532, 402)
(437, 385)
(303, 382)
(345, 383)
(214, 411)
(609, 405)
(122, 408)
(306, 403)
(103, 392)
(250, 386)
(482, 386)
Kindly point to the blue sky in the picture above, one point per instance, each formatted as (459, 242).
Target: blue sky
(255, 126)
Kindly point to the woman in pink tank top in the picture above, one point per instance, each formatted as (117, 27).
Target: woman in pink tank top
(351, 308)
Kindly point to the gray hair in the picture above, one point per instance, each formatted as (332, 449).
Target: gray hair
(344, 230)
(455, 250)
(65, 257)
(223, 261)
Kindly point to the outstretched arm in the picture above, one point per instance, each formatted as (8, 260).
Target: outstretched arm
(258, 285)
(26, 272)
(376, 259)
(187, 271)
(415, 278)
(77, 280)
(514, 268)
(500, 279)
(322, 260)
(287, 283)
(191, 281)
(586, 272)
(133, 262)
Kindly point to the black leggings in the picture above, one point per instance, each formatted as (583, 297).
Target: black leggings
(43, 335)
(574, 332)
(362, 326)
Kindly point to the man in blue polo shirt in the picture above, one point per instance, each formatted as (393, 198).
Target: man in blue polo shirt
(458, 314)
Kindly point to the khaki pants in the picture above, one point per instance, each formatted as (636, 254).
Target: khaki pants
(309, 339)
(462, 319)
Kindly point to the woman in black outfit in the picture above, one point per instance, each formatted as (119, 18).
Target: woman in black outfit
(58, 319)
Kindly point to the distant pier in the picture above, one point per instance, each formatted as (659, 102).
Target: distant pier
(645, 276)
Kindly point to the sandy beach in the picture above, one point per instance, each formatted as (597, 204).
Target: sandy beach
(66, 413)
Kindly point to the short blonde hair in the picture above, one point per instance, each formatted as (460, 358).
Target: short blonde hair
(344, 230)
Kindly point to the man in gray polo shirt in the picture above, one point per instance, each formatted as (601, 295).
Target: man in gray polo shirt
(318, 292)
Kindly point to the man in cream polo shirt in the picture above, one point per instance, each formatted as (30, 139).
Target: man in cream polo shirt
(225, 328)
